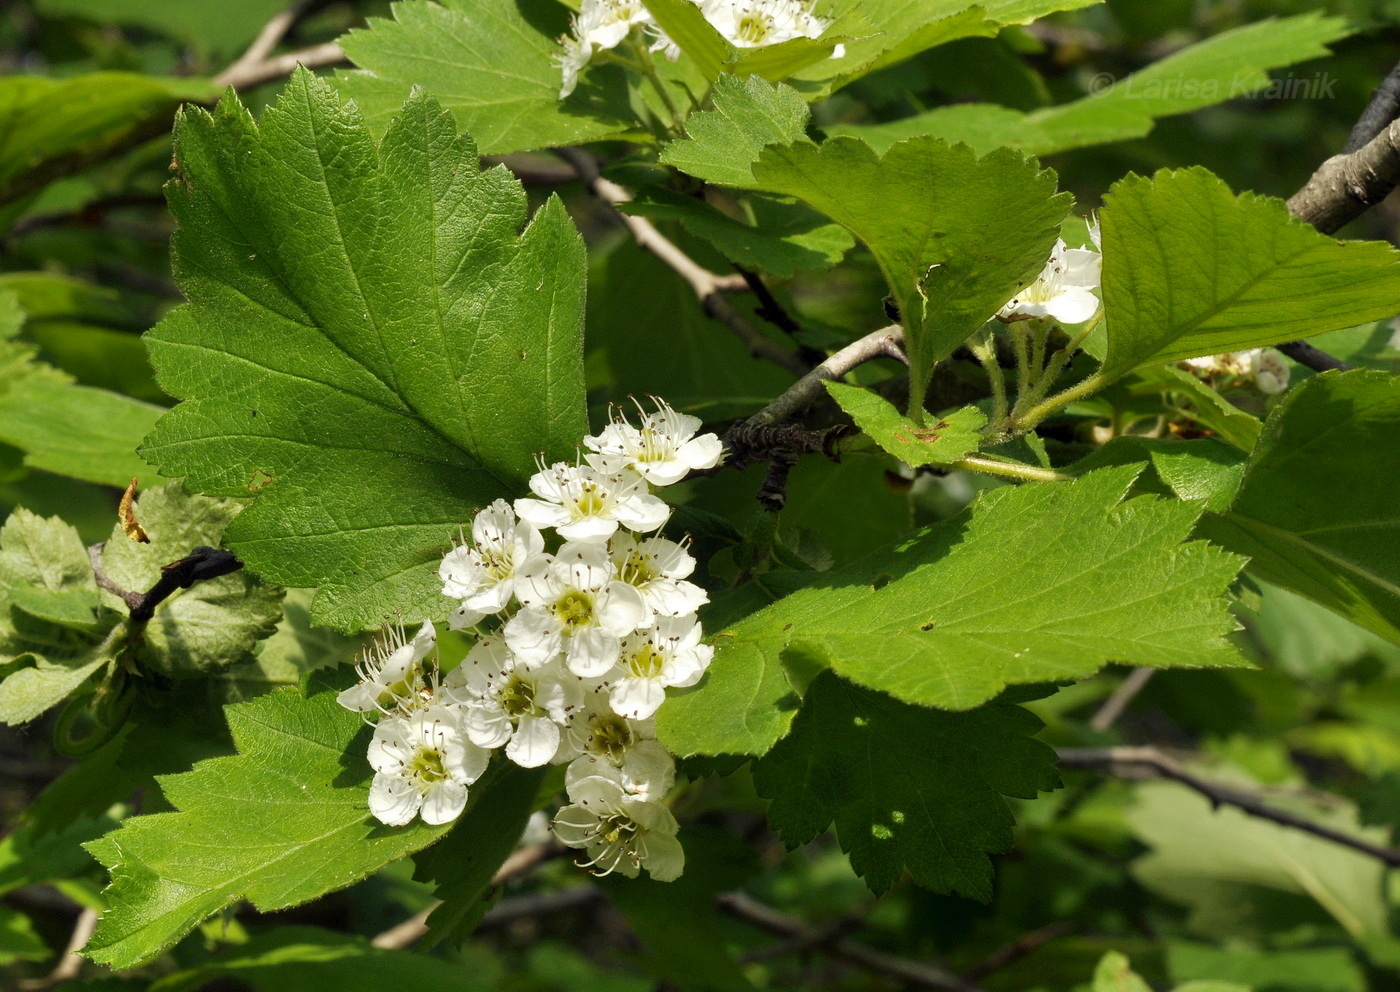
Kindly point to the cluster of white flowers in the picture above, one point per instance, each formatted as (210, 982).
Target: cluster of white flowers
(575, 648)
(1263, 368)
(603, 24)
(1064, 290)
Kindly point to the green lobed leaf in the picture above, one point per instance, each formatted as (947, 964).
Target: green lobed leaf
(371, 350)
(294, 649)
(1316, 511)
(941, 443)
(723, 143)
(53, 127)
(281, 822)
(907, 787)
(784, 239)
(214, 623)
(1033, 584)
(968, 232)
(490, 62)
(1227, 66)
(1190, 269)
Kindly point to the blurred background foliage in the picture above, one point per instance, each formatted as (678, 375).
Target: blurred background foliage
(1140, 868)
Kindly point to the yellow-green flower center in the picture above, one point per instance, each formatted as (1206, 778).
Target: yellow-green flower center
(518, 697)
(426, 766)
(754, 28)
(645, 662)
(574, 609)
(611, 737)
(589, 503)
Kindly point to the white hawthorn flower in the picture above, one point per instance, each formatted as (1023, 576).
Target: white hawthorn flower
(648, 771)
(757, 23)
(572, 604)
(482, 575)
(575, 53)
(662, 451)
(657, 568)
(619, 832)
(1064, 290)
(669, 654)
(391, 673)
(598, 731)
(585, 504)
(422, 764)
(507, 704)
(1264, 368)
(1270, 371)
(599, 24)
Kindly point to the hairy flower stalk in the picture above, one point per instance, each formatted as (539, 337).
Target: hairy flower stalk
(583, 618)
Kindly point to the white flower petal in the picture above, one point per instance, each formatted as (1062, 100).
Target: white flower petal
(444, 802)
(393, 799)
(535, 741)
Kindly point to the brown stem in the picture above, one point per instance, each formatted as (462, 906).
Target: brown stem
(885, 343)
(914, 974)
(1148, 762)
(522, 860)
(1122, 696)
(709, 287)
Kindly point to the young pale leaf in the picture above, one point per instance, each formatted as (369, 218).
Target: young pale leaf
(1317, 511)
(47, 659)
(941, 443)
(1232, 64)
(1190, 269)
(490, 62)
(214, 623)
(786, 238)
(295, 648)
(1196, 847)
(722, 144)
(381, 353)
(1034, 584)
(907, 787)
(462, 866)
(281, 822)
(965, 235)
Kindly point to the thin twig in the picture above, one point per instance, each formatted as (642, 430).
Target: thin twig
(884, 343)
(257, 65)
(1019, 948)
(1116, 703)
(775, 313)
(1314, 358)
(131, 599)
(1148, 762)
(71, 964)
(539, 904)
(709, 287)
(316, 57)
(1383, 108)
(915, 974)
(522, 860)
